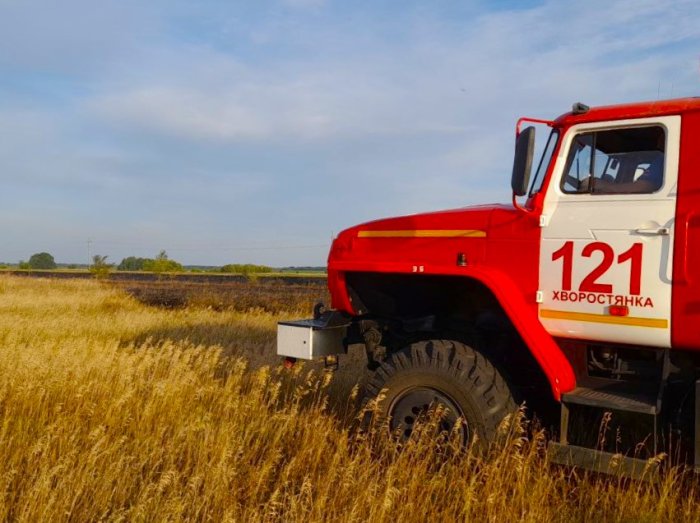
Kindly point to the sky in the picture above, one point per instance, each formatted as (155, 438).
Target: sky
(253, 132)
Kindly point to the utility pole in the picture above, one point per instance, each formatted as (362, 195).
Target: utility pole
(89, 244)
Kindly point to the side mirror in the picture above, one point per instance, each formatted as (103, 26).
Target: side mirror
(522, 163)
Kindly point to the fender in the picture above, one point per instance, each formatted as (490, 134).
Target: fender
(541, 344)
(522, 315)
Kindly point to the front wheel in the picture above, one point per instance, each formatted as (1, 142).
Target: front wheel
(442, 372)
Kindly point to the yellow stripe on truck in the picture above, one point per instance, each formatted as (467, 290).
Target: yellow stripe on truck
(655, 323)
(423, 233)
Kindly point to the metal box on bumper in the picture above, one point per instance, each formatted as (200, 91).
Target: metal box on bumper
(312, 338)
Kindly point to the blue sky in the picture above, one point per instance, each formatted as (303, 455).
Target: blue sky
(236, 132)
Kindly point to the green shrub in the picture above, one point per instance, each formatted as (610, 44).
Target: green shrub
(100, 268)
(132, 263)
(42, 260)
(162, 264)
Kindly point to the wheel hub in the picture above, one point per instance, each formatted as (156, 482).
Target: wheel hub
(414, 404)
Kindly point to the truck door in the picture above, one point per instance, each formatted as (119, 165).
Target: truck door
(608, 220)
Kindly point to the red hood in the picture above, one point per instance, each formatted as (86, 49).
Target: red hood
(430, 239)
(447, 219)
(452, 219)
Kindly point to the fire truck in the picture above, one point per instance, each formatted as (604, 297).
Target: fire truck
(581, 299)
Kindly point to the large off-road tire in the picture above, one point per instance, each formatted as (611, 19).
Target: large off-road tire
(446, 372)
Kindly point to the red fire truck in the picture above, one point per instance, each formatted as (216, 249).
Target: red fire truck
(581, 299)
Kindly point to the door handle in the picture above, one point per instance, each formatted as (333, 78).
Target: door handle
(657, 231)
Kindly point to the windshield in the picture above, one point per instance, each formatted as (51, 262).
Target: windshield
(545, 159)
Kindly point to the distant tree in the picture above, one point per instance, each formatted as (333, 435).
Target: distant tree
(132, 263)
(162, 263)
(100, 268)
(24, 265)
(42, 260)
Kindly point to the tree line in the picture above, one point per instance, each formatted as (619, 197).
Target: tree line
(160, 263)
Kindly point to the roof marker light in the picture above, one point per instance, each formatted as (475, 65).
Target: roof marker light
(580, 108)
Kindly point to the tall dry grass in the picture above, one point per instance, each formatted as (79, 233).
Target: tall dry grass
(111, 410)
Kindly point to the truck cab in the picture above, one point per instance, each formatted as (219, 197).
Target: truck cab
(580, 300)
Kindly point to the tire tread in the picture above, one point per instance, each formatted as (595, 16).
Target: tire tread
(480, 378)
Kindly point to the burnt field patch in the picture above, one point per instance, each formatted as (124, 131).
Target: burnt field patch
(270, 295)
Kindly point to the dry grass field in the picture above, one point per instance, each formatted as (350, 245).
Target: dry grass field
(113, 410)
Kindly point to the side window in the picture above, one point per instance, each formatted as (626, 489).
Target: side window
(618, 161)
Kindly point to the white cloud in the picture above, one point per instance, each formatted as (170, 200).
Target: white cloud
(184, 112)
(507, 62)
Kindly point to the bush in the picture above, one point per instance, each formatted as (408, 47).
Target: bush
(162, 264)
(100, 268)
(132, 263)
(42, 260)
